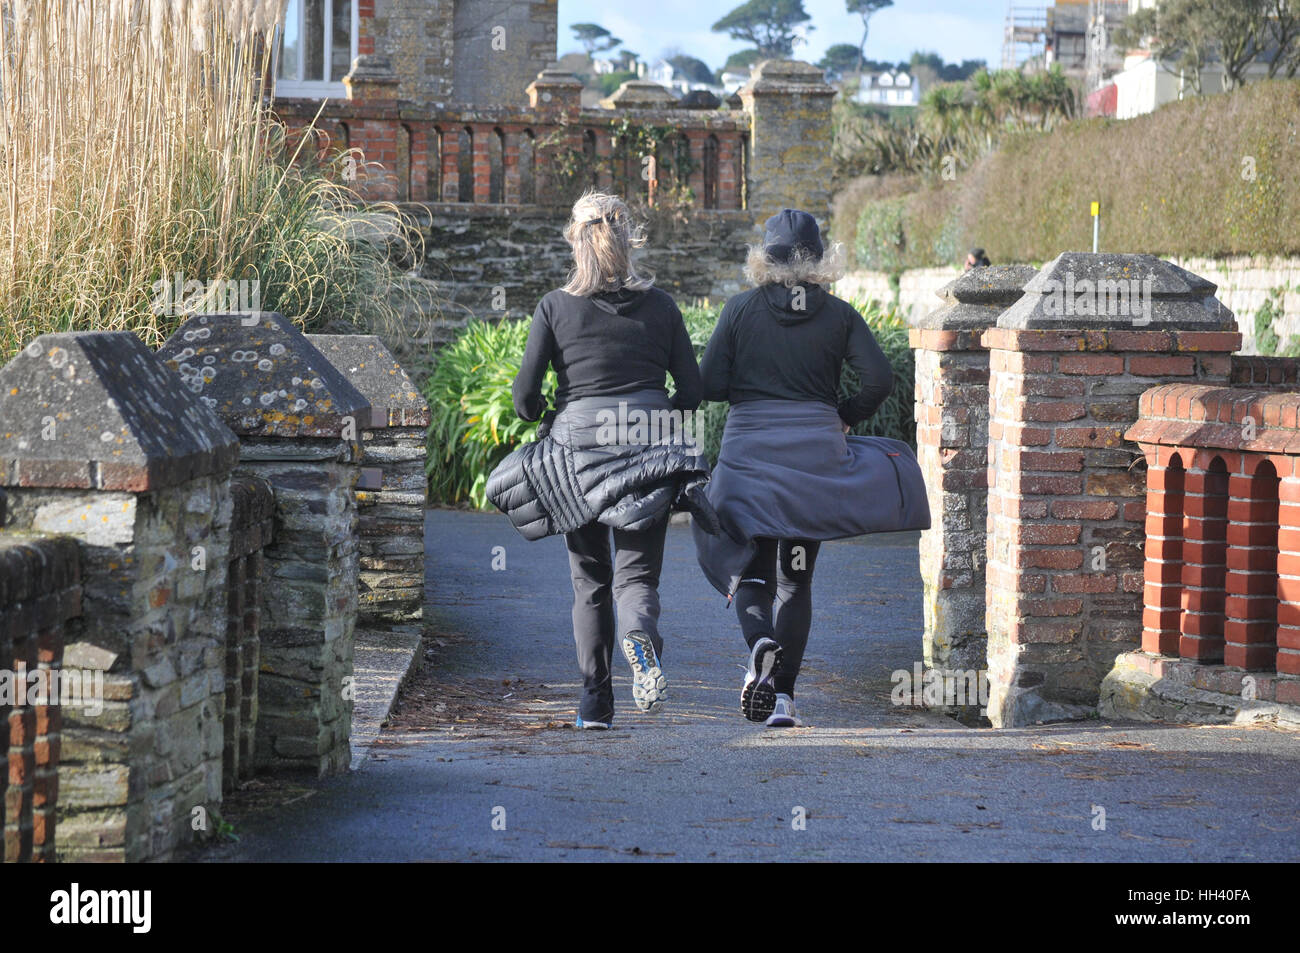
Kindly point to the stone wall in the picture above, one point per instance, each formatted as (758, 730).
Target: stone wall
(493, 261)
(917, 289)
(470, 52)
(393, 490)
(204, 593)
(103, 445)
(417, 37)
(1245, 284)
(40, 591)
(299, 422)
(500, 45)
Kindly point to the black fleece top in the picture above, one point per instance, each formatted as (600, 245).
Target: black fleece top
(610, 343)
(766, 346)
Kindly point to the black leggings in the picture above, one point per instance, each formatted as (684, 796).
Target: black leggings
(774, 599)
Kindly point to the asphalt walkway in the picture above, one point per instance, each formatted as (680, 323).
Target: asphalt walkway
(479, 761)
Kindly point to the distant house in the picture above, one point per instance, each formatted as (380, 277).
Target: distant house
(734, 78)
(891, 88)
(666, 74)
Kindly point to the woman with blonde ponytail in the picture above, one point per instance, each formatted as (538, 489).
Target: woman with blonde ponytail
(613, 338)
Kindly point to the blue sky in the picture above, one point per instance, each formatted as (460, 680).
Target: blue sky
(955, 29)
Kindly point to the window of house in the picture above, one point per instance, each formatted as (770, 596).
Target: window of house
(318, 43)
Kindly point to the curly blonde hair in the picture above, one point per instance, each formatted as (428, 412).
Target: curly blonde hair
(803, 268)
(601, 234)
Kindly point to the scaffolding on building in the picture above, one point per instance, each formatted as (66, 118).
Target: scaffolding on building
(1025, 35)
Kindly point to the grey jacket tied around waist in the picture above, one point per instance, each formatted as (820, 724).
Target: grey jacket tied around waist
(621, 460)
(786, 470)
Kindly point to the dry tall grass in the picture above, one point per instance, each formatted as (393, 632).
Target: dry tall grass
(1217, 176)
(137, 144)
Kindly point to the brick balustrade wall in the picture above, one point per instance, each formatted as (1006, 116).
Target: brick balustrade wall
(1067, 496)
(1221, 633)
(772, 153)
(952, 415)
(425, 141)
(40, 591)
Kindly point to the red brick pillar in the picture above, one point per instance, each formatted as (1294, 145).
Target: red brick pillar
(1205, 550)
(556, 96)
(47, 746)
(451, 165)
(22, 755)
(1288, 586)
(696, 137)
(1163, 566)
(482, 164)
(604, 159)
(1250, 604)
(1067, 495)
(952, 431)
(372, 81)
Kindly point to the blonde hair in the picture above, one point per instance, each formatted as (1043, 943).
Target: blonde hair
(602, 236)
(802, 269)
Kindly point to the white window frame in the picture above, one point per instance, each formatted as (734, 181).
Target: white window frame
(314, 88)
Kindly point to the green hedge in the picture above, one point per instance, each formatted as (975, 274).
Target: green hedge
(473, 424)
(1215, 176)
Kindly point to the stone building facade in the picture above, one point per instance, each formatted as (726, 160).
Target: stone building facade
(472, 52)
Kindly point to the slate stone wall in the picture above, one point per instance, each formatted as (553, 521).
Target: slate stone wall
(299, 422)
(392, 494)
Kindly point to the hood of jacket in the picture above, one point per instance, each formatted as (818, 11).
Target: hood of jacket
(622, 301)
(792, 305)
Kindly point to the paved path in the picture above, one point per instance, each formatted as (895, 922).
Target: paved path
(484, 734)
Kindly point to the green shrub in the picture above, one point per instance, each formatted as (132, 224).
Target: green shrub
(881, 241)
(472, 424)
(1266, 339)
(896, 417)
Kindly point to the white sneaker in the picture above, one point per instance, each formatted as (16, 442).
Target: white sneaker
(783, 714)
(649, 687)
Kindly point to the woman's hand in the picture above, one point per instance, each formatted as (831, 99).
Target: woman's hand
(846, 427)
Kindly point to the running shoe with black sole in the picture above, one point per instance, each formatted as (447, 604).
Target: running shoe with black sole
(758, 697)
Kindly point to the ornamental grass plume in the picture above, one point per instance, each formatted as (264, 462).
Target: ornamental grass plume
(137, 143)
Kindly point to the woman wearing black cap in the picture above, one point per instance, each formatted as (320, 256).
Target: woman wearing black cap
(787, 476)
